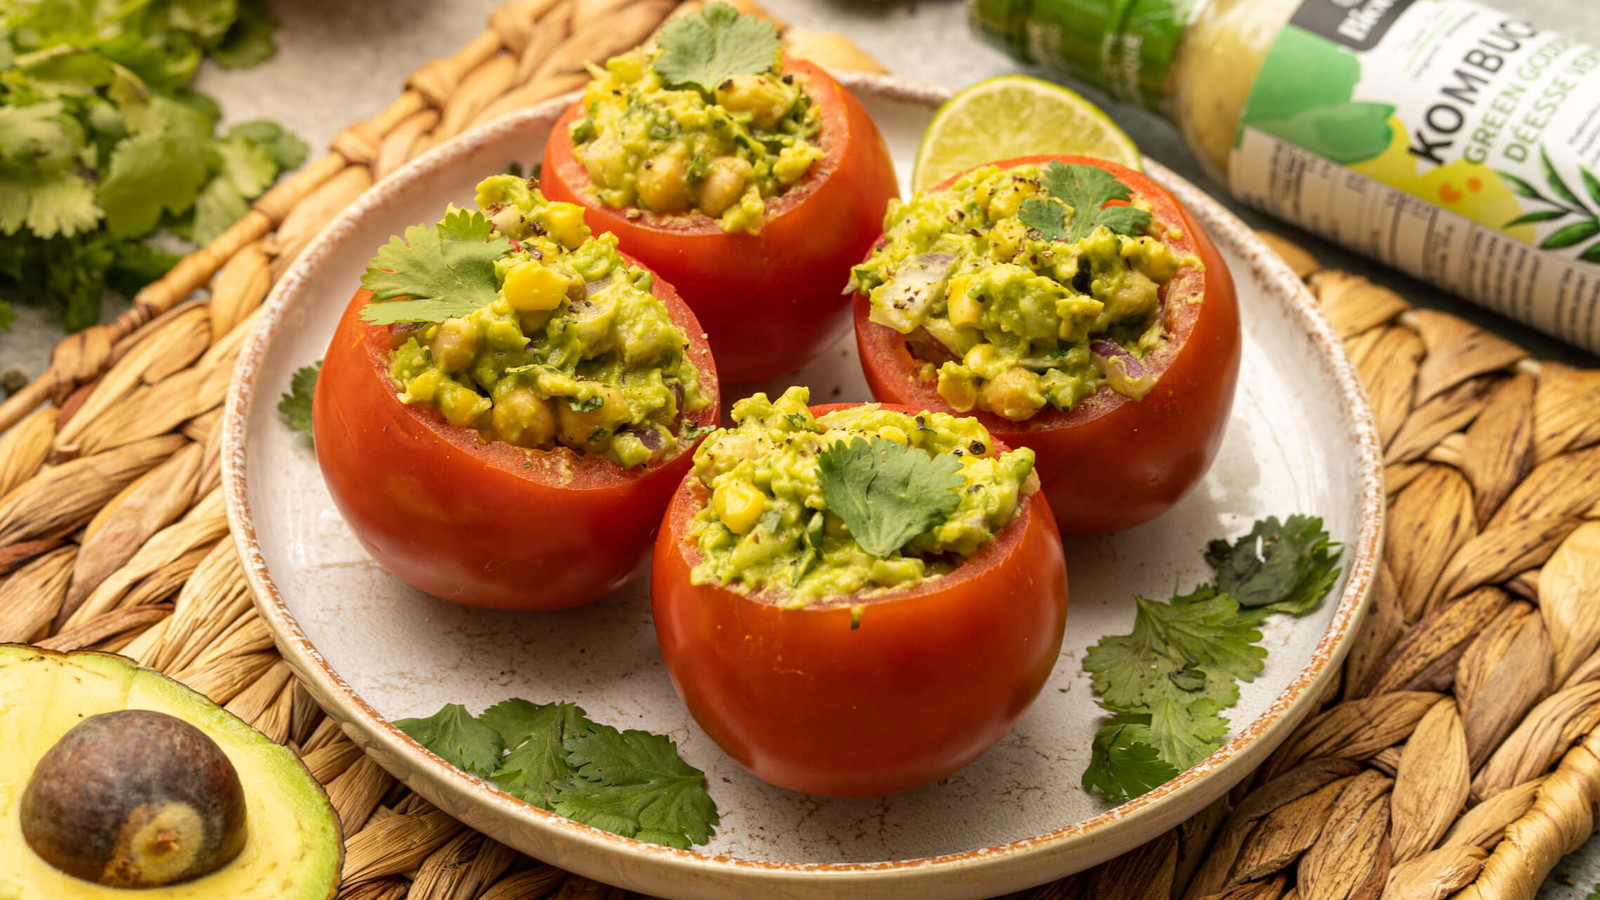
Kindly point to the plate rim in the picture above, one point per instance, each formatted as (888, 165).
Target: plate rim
(650, 867)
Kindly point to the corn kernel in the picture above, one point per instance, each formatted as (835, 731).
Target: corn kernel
(964, 309)
(531, 287)
(566, 224)
(422, 388)
(739, 506)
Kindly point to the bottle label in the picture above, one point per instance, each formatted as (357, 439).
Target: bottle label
(1443, 138)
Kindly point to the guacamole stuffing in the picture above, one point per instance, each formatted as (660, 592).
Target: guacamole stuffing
(653, 144)
(571, 348)
(1012, 298)
(786, 491)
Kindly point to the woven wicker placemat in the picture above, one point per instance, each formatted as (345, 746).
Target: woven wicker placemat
(1458, 752)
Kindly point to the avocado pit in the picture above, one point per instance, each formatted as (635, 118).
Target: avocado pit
(135, 799)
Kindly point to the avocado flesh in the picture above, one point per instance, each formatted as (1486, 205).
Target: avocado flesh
(292, 848)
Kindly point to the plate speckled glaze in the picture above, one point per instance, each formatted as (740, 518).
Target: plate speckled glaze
(370, 649)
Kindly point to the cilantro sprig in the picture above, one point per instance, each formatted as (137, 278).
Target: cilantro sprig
(1167, 683)
(103, 144)
(295, 404)
(703, 49)
(435, 272)
(888, 493)
(552, 755)
(1076, 204)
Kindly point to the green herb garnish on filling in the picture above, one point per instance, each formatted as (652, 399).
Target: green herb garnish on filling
(519, 323)
(1019, 288)
(702, 124)
(806, 508)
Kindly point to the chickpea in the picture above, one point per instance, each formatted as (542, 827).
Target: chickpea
(455, 344)
(724, 184)
(1015, 394)
(664, 184)
(577, 428)
(524, 418)
(765, 99)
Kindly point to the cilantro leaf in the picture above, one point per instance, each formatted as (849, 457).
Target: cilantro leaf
(457, 738)
(1123, 763)
(1193, 636)
(435, 272)
(887, 493)
(703, 49)
(249, 40)
(552, 755)
(1280, 567)
(295, 404)
(635, 784)
(1075, 204)
(149, 174)
(1168, 681)
(536, 737)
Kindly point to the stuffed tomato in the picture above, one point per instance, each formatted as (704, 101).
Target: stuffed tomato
(1075, 307)
(855, 600)
(753, 193)
(505, 410)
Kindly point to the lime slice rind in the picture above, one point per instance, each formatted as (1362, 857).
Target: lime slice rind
(1015, 115)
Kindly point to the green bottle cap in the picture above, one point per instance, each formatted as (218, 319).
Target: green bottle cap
(1122, 46)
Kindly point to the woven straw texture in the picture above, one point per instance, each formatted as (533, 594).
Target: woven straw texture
(1458, 754)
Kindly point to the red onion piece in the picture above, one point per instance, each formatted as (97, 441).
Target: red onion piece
(1123, 371)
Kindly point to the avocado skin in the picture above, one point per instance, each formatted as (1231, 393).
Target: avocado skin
(95, 787)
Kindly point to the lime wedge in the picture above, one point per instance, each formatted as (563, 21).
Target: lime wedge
(1015, 115)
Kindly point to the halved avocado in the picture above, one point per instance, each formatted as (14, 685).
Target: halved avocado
(292, 848)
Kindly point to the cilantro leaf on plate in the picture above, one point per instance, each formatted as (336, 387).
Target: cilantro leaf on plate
(295, 404)
(554, 756)
(1281, 567)
(634, 783)
(1076, 204)
(457, 738)
(887, 493)
(1178, 641)
(1123, 763)
(1168, 681)
(435, 272)
(703, 49)
(535, 735)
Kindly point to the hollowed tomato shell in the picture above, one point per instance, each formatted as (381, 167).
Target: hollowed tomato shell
(773, 300)
(1112, 462)
(484, 523)
(930, 678)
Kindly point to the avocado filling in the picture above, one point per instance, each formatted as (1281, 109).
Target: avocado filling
(769, 526)
(1009, 318)
(572, 350)
(683, 149)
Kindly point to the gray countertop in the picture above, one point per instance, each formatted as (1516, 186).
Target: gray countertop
(342, 62)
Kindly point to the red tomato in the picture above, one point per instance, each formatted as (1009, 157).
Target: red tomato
(769, 301)
(485, 524)
(933, 676)
(1112, 462)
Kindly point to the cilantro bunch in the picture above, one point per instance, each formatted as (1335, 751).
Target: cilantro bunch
(102, 144)
(631, 783)
(1167, 683)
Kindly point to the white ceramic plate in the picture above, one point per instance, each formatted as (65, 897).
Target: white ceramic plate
(371, 649)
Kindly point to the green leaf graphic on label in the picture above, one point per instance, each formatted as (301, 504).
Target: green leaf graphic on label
(1576, 233)
(1591, 183)
(1303, 96)
(1557, 186)
(1544, 215)
(1520, 187)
